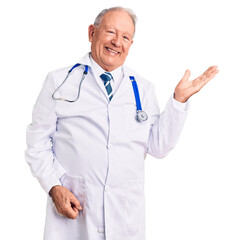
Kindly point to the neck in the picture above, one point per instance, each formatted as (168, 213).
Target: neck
(104, 67)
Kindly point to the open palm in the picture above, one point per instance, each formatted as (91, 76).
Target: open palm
(185, 88)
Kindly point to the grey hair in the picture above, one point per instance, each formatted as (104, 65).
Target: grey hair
(100, 16)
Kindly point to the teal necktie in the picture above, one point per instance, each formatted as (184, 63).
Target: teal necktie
(106, 77)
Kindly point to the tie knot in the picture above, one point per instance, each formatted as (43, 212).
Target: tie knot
(106, 76)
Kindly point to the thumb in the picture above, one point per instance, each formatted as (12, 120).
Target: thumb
(186, 76)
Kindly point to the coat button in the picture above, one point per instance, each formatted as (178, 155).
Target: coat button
(106, 188)
(100, 230)
(109, 146)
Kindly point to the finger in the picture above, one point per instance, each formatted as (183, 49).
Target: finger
(205, 78)
(71, 212)
(67, 211)
(210, 74)
(75, 202)
(186, 76)
(210, 69)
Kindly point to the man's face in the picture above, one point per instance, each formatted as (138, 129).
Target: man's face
(111, 41)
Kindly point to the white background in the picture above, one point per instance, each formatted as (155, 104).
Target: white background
(196, 192)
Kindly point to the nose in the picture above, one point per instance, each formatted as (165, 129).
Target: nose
(116, 41)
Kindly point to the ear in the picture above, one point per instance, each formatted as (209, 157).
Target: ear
(91, 30)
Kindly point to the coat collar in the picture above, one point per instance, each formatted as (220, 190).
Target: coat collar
(125, 83)
(85, 60)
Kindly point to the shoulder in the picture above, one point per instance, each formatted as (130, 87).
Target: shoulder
(142, 82)
(60, 72)
(56, 77)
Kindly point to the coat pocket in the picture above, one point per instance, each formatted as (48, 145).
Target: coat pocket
(76, 185)
(138, 131)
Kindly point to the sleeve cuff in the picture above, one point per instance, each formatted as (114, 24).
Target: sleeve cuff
(53, 182)
(182, 107)
(57, 183)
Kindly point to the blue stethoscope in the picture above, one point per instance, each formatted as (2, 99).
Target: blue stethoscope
(140, 115)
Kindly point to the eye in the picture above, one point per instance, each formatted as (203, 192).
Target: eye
(126, 38)
(110, 32)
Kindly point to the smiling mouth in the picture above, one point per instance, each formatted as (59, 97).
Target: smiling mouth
(111, 50)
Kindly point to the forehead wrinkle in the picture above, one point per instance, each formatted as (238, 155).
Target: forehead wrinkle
(110, 19)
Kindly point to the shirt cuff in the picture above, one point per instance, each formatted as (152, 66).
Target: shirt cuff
(179, 105)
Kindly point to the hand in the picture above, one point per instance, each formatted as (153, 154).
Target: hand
(185, 88)
(65, 201)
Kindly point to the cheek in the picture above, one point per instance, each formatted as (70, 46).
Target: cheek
(97, 47)
(126, 50)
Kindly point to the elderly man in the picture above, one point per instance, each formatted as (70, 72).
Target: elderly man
(92, 131)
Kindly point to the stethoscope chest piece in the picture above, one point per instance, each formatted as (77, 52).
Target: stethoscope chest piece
(141, 116)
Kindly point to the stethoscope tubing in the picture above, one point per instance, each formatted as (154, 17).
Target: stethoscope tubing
(69, 72)
(136, 93)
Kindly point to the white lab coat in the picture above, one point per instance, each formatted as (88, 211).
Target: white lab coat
(96, 149)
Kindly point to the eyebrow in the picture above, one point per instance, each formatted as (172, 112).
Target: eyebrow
(112, 27)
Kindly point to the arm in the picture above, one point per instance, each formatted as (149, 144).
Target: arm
(166, 129)
(40, 156)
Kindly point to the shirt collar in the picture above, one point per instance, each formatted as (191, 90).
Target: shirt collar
(97, 70)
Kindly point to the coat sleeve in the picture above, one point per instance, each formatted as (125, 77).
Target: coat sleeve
(39, 154)
(166, 126)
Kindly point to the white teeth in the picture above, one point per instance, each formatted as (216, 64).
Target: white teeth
(112, 50)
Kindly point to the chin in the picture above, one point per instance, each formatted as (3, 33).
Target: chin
(111, 64)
